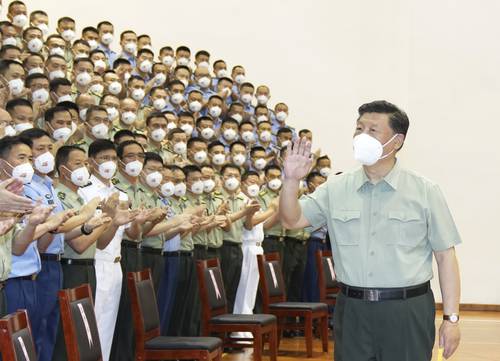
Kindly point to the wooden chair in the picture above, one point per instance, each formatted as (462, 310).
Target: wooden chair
(16, 340)
(149, 345)
(216, 320)
(79, 324)
(328, 286)
(273, 293)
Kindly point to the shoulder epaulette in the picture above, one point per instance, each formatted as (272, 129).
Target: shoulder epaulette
(61, 195)
(115, 180)
(262, 193)
(86, 185)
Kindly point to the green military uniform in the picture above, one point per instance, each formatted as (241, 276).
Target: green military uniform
(84, 143)
(231, 255)
(200, 238)
(383, 235)
(5, 266)
(274, 236)
(215, 236)
(161, 151)
(170, 157)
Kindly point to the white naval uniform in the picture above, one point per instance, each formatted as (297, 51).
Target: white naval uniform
(249, 279)
(108, 270)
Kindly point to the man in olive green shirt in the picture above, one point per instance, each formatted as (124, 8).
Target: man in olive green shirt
(385, 224)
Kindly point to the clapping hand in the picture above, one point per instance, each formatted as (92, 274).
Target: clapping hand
(11, 199)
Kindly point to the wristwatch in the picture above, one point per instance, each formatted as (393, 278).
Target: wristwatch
(84, 231)
(453, 318)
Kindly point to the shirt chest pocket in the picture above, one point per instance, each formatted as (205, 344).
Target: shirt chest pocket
(346, 227)
(407, 228)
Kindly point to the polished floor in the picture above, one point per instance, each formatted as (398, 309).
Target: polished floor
(480, 342)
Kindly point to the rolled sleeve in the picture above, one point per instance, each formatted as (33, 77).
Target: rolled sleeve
(442, 231)
(315, 207)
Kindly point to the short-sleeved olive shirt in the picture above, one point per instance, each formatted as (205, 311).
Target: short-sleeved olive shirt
(236, 203)
(266, 196)
(216, 235)
(6, 253)
(152, 201)
(384, 234)
(178, 207)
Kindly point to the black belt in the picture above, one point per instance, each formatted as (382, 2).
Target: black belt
(178, 254)
(152, 250)
(296, 240)
(276, 238)
(25, 278)
(212, 249)
(317, 239)
(2, 285)
(385, 294)
(232, 244)
(78, 261)
(201, 247)
(50, 257)
(131, 244)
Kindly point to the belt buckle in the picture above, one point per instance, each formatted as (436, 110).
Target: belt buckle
(33, 276)
(117, 259)
(372, 295)
(258, 244)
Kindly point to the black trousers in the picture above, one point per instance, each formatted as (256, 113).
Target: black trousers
(123, 347)
(294, 266)
(231, 258)
(156, 263)
(213, 253)
(3, 303)
(272, 245)
(399, 330)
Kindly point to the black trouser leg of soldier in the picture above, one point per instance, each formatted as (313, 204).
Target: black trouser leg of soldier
(231, 260)
(395, 330)
(297, 271)
(200, 252)
(273, 244)
(3, 302)
(213, 253)
(123, 347)
(154, 260)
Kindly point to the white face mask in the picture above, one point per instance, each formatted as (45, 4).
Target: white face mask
(44, 163)
(285, 143)
(368, 150)
(128, 117)
(130, 47)
(20, 20)
(180, 148)
(195, 106)
(9, 41)
(112, 113)
(197, 187)
(171, 126)
(21, 127)
(167, 189)
(176, 98)
(253, 190)
(185, 82)
(100, 131)
(239, 159)
(167, 60)
(231, 184)
(159, 104)
(115, 87)
(229, 134)
(180, 189)
(80, 176)
(204, 82)
(57, 51)
(16, 86)
(134, 168)
(219, 159)
(207, 133)
(274, 184)
(35, 45)
(9, 131)
(40, 95)
(107, 38)
(183, 61)
(262, 99)
(99, 65)
(84, 78)
(146, 66)
(107, 169)
(160, 79)
(24, 172)
(208, 185)
(187, 128)
(325, 171)
(200, 157)
(240, 78)
(265, 136)
(62, 134)
(92, 44)
(64, 98)
(56, 74)
(97, 88)
(36, 70)
(215, 111)
(237, 117)
(222, 73)
(281, 116)
(68, 35)
(260, 163)
(158, 135)
(154, 179)
(44, 28)
(204, 64)
(262, 118)
(248, 136)
(138, 94)
(246, 98)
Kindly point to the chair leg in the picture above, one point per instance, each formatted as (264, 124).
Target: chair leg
(308, 334)
(324, 332)
(273, 343)
(257, 345)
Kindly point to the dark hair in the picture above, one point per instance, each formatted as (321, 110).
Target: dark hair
(145, 50)
(34, 133)
(17, 102)
(218, 61)
(193, 140)
(200, 119)
(230, 166)
(257, 148)
(142, 135)
(202, 52)
(312, 175)
(167, 48)
(188, 169)
(63, 153)
(216, 96)
(25, 31)
(93, 109)
(143, 36)
(100, 145)
(183, 48)
(120, 148)
(271, 167)
(228, 121)
(173, 167)
(29, 79)
(302, 131)
(215, 143)
(151, 156)
(96, 51)
(5, 64)
(246, 122)
(122, 133)
(284, 130)
(80, 60)
(186, 114)
(57, 82)
(7, 143)
(105, 22)
(51, 112)
(120, 61)
(89, 28)
(398, 120)
(66, 19)
(247, 84)
(175, 82)
(69, 105)
(237, 143)
(155, 115)
(322, 157)
(125, 32)
(249, 173)
(174, 131)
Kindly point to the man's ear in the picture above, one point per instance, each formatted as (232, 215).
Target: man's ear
(400, 139)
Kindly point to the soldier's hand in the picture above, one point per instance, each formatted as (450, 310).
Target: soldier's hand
(97, 221)
(275, 203)
(252, 207)
(39, 215)
(58, 219)
(124, 216)
(449, 338)
(10, 198)
(89, 208)
(223, 208)
(110, 206)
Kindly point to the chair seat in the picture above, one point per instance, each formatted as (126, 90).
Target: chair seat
(313, 306)
(183, 343)
(331, 296)
(261, 319)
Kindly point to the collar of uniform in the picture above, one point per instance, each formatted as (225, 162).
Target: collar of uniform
(361, 179)
(94, 180)
(44, 180)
